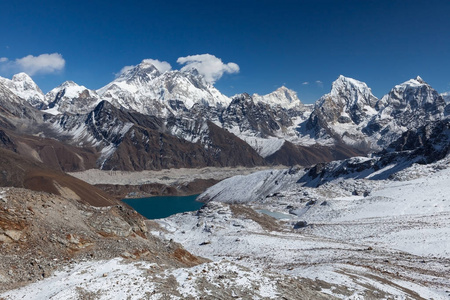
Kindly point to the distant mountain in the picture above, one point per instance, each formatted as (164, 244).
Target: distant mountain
(146, 90)
(15, 112)
(144, 112)
(71, 97)
(131, 141)
(283, 97)
(24, 87)
(352, 115)
(343, 113)
(409, 105)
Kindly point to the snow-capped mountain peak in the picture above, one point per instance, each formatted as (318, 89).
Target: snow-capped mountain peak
(349, 102)
(145, 89)
(282, 96)
(140, 74)
(22, 77)
(352, 91)
(413, 82)
(71, 97)
(67, 83)
(414, 93)
(23, 86)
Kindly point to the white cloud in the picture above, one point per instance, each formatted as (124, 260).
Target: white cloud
(162, 66)
(44, 64)
(319, 83)
(305, 83)
(210, 67)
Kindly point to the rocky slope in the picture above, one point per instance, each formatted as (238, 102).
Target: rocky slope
(393, 207)
(132, 141)
(70, 250)
(41, 233)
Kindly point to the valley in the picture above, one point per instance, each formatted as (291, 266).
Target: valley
(343, 199)
(182, 181)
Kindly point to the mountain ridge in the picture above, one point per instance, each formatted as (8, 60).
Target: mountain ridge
(349, 120)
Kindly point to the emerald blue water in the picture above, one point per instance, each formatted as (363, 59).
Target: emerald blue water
(163, 206)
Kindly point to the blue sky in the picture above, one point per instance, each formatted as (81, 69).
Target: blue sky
(274, 43)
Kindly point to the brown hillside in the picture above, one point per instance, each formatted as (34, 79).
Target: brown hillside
(17, 171)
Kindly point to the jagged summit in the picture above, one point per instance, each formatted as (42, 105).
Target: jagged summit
(413, 82)
(22, 76)
(282, 96)
(23, 86)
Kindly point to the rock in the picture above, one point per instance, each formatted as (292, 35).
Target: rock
(300, 224)
(15, 235)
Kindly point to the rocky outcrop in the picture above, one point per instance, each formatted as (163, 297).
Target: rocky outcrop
(41, 233)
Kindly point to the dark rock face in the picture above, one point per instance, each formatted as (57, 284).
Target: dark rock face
(141, 142)
(226, 149)
(145, 149)
(431, 142)
(300, 224)
(255, 117)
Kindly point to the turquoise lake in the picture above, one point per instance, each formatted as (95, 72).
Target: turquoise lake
(163, 206)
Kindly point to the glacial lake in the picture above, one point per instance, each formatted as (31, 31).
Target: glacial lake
(163, 206)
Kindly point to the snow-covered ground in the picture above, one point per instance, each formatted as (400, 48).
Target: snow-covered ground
(392, 239)
(348, 238)
(121, 279)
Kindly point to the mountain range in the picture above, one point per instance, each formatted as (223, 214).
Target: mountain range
(365, 215)
(146, 119)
